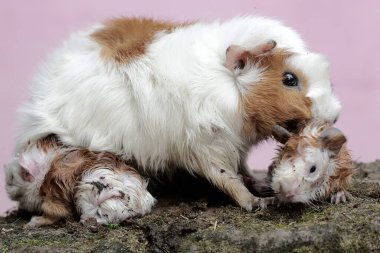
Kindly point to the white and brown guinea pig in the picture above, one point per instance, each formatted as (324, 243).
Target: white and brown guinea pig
(61, 182)
(313, 165)
(196, 95)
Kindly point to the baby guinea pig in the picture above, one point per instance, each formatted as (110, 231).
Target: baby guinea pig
(61, 182)
(313, 165)
(25, 173)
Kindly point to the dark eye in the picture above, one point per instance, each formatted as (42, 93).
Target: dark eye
(290, 79)
(313, 169)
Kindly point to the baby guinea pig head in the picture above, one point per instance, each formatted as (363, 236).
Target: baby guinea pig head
(307, 162)
(282, 87)
(24, 176)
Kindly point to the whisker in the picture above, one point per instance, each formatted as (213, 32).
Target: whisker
(312, 205)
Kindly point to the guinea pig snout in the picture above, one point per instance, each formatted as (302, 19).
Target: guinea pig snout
(289, 189)
(289, 194)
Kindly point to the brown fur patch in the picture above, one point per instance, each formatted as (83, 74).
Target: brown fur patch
(295, 146)
(290, 150)
(343, 174)
(127, 38)
(48, 143)
(67, 168)
(269, 102)
(55, 209)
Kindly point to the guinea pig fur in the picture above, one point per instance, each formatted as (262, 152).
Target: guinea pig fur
(195, 95)
(314, 164)
(74, 181)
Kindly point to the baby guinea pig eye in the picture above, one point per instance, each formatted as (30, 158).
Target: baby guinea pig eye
(313, 169)
(289, 79)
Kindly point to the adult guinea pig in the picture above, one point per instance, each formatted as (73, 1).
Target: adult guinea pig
(60, 182)
(167, 95)
(312, 165)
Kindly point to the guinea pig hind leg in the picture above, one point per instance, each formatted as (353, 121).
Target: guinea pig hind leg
(112, 196)
(52, 212)
(340, 197)
(38, 221)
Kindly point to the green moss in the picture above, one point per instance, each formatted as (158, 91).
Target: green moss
(207, 245)
(305, 249)
(113, 226)
(40, 242)
(5, 249)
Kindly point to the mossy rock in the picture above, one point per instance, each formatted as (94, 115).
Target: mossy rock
(192, 216)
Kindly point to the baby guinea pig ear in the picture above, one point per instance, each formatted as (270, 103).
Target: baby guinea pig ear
(28, 168)
(238, 56)
(332, 139)
(281, 134)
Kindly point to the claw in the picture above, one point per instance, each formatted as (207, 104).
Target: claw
(340, 197)
(264, 202)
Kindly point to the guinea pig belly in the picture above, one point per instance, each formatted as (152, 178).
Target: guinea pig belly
(112, 196)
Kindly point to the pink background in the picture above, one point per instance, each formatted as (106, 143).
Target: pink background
(346, 31)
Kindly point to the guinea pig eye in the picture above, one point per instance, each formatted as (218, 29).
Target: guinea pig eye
(313, 169)
(289, 79)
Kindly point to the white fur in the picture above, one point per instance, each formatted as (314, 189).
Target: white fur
(325, 105)
(123, 197)
(177, 104)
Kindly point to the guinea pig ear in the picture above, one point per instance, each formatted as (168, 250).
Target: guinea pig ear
(332, 139)
(238, 56)
(28, 167)
(281, 134)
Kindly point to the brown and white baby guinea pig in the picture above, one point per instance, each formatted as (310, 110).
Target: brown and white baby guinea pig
(60, 182)
(312, 165)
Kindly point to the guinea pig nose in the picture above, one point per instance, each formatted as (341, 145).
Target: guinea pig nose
(286, 192)
(289, 194)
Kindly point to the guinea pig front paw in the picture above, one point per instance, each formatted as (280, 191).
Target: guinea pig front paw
(340, 197)
(248, 201)
(260, 203)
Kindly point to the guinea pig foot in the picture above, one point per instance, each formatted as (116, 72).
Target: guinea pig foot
(38, 221)
(88, 221)
(340, 197)
(94, 221)
(249, 203)
(106, 195)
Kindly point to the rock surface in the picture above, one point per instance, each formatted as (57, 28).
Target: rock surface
(193, 217)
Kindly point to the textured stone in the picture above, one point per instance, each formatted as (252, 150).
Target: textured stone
(192, 216)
